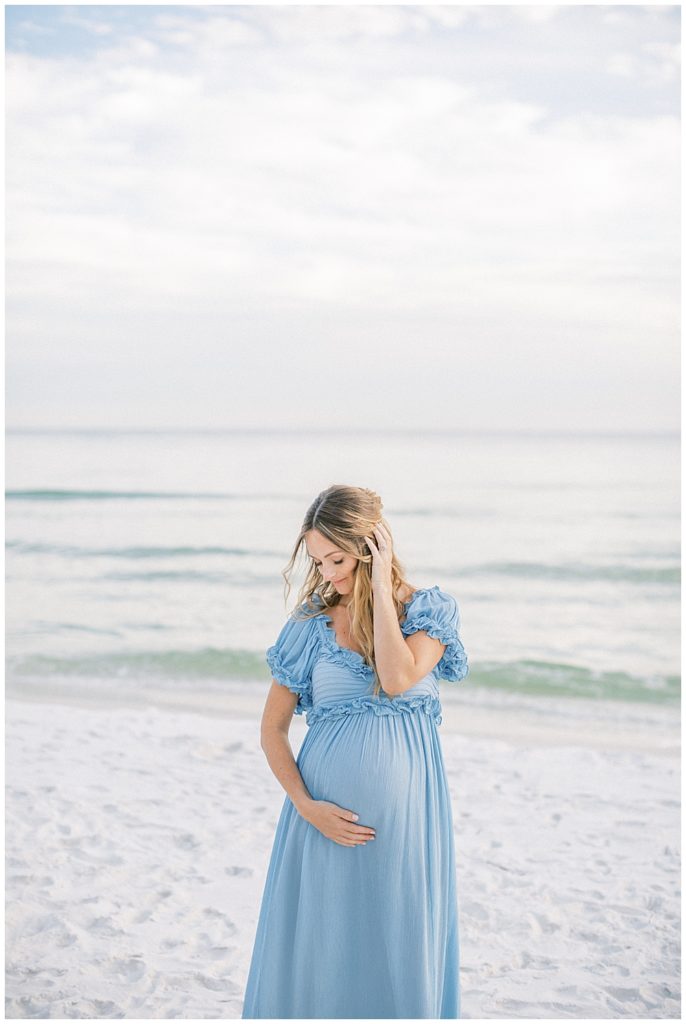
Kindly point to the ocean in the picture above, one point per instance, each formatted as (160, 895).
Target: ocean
(152, 559)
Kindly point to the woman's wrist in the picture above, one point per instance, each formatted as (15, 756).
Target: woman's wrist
(303, 804)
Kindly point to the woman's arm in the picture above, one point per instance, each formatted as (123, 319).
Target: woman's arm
(276, 719)
(400, 661)
(333, 821)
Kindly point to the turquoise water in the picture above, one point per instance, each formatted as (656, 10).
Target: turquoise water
(155, 557)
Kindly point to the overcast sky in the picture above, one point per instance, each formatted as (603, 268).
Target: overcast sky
(445, 216)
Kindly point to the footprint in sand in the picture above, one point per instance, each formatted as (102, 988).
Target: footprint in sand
(475, 911)
(102, 1008)
(217, 984)
(186, 840)
(229, 926)
(541, 924)
(218, 952)
(27, 1007)
(104, 926)
(131, 969)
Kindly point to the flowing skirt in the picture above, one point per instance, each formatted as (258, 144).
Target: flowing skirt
(366, 931)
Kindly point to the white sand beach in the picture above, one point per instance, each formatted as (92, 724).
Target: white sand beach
(138, 837)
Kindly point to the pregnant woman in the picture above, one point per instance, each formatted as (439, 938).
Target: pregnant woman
(359, 911)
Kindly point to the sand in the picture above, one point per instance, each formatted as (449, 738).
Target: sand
(138, 837)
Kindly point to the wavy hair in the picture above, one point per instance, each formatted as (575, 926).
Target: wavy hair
(346, 515)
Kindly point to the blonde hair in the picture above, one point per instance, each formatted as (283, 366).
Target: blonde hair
(346, 515)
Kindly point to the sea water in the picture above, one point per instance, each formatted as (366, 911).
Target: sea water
(153, 559)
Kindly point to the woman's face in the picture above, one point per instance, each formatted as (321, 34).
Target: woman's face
(335, 565)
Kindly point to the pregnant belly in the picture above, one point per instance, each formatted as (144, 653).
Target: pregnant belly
(374, 765)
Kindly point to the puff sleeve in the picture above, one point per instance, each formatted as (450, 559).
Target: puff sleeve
(438, 614)
(291, 658)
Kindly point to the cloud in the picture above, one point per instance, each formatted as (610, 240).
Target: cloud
(333, 175)
(90, 24)
(652, 63)
(623, 64)
(35, 27)
(666, 60)
(537, 14)
(252, 170)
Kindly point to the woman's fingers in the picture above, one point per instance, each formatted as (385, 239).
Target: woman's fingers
(347, 823)
(350, 838)
(348, 834)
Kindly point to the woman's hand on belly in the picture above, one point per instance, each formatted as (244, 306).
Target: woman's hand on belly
(336, 823)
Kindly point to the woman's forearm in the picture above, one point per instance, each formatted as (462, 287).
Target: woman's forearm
(277, 749)
(394, 660)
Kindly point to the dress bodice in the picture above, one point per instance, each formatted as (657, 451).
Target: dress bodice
(333, 680)
(341, 674)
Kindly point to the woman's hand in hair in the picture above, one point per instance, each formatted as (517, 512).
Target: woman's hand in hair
(382, 556)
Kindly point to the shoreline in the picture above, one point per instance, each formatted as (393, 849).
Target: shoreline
(519, 720)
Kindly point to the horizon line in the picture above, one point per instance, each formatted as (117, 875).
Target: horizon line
(344, 430)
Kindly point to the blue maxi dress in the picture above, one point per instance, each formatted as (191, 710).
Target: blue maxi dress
(363, 931)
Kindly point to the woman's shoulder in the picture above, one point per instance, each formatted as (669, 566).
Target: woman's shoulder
(433, 601)
(297, 639)
(308, 609)
(406, 592)
(435, 594)
(436, 612)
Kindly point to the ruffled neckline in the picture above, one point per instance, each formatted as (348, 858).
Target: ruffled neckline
(354, 658)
